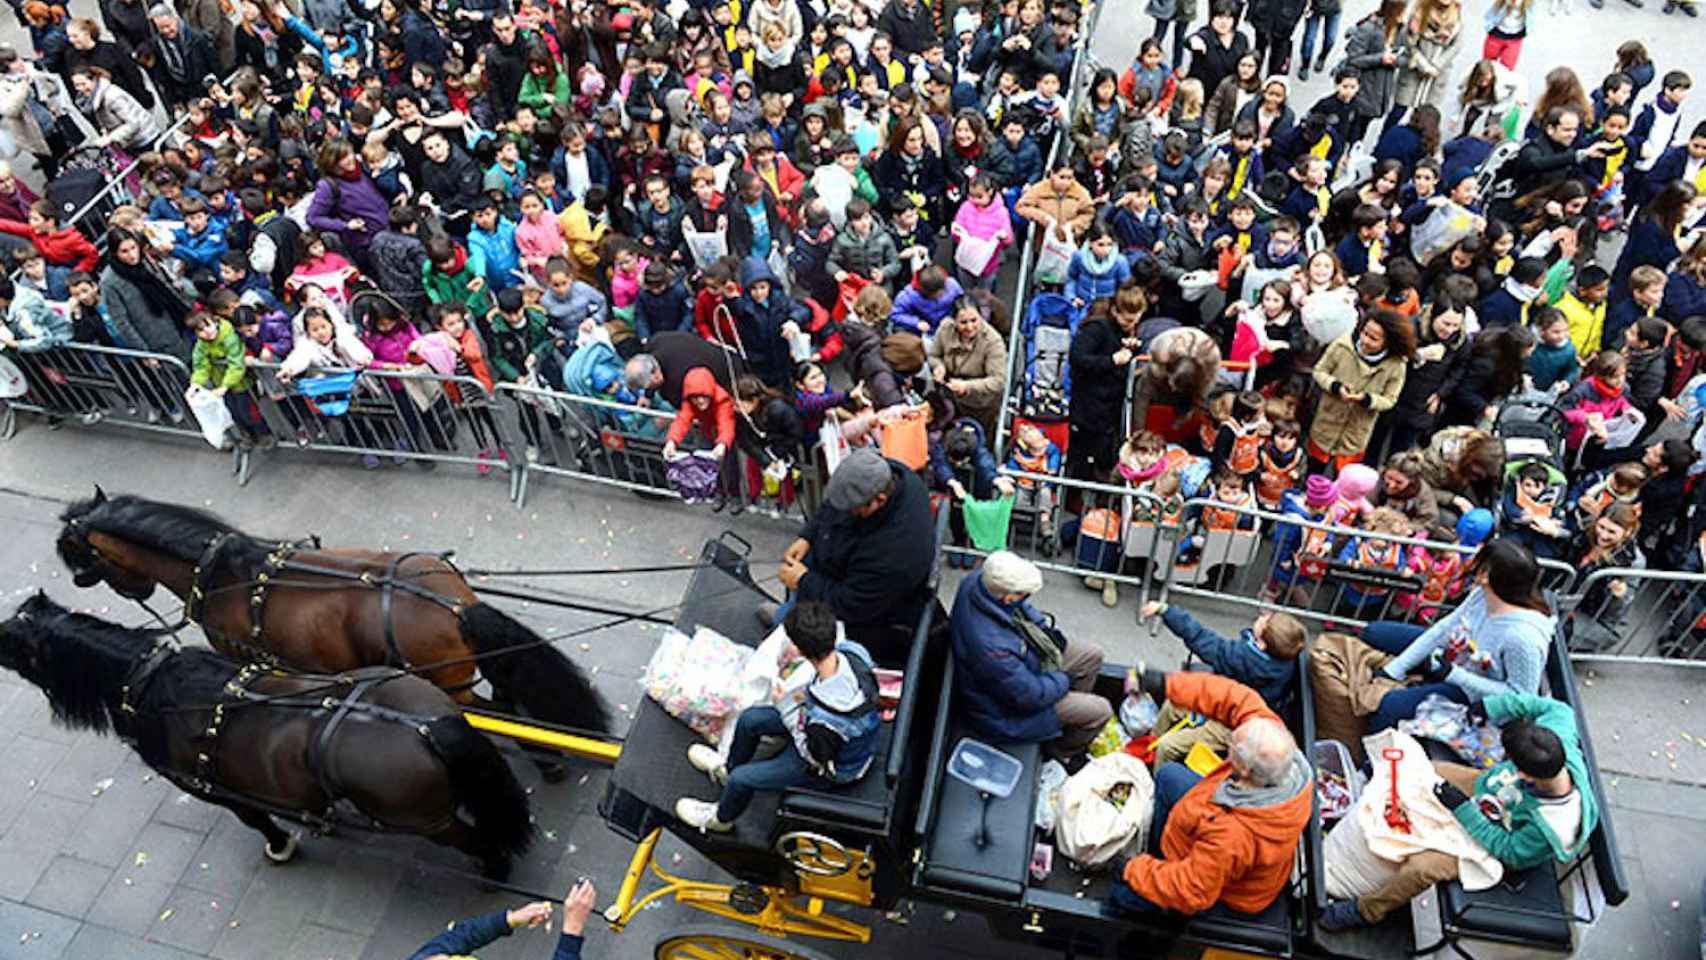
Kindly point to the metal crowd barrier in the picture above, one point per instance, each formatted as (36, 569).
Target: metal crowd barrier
(403, 416)
(1656, 615)
(127, 388)
(621, 445)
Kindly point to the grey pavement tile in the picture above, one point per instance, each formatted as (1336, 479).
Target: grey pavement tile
(1672, 863)
(196, 922)
(69, 886)
(192, 814)
(354, 890)
(100, 943)
(314, 942)
(34, 838)
(114, 820)
(27, 933)
(232, 857)
(28, 759)
(132, 907)
(272, 908)
(28, 714)
(90, 760)
(164, 852)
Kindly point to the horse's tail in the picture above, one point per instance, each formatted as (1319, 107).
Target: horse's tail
(539, 678)
(485, 786)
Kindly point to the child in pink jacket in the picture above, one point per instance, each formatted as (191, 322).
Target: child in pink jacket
(983, 217)
(1597, 399)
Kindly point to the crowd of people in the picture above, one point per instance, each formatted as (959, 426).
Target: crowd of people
(781, 223)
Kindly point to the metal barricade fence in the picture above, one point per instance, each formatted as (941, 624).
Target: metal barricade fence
(127, 388)
(1624, 613)
(404, 415)
(1333, 575)
(621, 445)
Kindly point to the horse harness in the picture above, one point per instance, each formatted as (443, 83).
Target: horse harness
(282, 561)
(237, 692)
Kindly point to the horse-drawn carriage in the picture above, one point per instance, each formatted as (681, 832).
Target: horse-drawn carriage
(910, 832)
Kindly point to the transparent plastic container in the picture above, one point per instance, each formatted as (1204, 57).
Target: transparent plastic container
(984, 768)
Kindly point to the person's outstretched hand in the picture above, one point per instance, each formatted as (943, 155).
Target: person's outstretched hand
(577, 905)
(529, 915)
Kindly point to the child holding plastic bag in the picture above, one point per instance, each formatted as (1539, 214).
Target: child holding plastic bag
(832, 727)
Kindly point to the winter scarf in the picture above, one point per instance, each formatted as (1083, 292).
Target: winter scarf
(155, 288)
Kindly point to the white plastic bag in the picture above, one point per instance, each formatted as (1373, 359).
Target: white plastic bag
(697, 679)
(760, 679)
(1051, 776)
(1095, 826)
(834, 448)
(974, 253)
(1196, 284)
(1444, 227)
(210, 411)
(12, 382)
(1055, 257)
(707, 247)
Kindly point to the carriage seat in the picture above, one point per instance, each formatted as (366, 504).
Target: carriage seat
(1525, 908)
(953, 858)
(1267, 933)
(863, 805)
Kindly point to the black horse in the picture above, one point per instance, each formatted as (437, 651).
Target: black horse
(374, 748)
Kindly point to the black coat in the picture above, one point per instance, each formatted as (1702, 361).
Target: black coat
(1438, 377)
(911, 34)
(454, 184)
(678, 351)
(200, 61)
(1217, 63)
(892, 179)
(1098, 386)
(115, 60)
(874, 571)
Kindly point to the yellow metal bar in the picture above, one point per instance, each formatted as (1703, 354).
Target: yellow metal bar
(623, 909)
(587, 748)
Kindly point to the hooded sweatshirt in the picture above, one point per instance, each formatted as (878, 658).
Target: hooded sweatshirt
(1225, 843)
(716, 422)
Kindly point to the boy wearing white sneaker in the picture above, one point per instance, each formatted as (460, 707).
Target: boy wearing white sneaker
(831, 726)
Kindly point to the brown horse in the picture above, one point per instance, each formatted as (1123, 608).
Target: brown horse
(325, 611)
(375, 749)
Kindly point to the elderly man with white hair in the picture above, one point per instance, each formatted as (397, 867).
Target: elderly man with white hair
(1231, 837)
(1017, 679)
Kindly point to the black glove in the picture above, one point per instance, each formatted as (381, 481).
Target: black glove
(1450, 795)
(1478, 714)
(1152, 682)
(1436, 672)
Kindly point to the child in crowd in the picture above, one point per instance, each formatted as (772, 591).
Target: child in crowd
(1227, 513)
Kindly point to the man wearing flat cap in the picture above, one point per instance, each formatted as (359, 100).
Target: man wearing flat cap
(1018, 680)
(867, 552)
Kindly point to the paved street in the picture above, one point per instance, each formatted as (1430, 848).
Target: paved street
(99, 860)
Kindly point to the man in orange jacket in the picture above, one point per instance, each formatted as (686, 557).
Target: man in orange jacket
(1230, 837)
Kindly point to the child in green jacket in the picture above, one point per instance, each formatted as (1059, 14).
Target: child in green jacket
(218, 364)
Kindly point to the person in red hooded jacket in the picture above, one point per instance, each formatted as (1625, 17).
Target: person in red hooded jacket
(64, 246)
(706, 404)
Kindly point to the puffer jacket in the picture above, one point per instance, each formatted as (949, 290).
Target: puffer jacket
(1342, 428)
(873, 255)
(396, 260)
(118, 116)
(1000, 686)
(136, 324)
(716, 422)
(761, 323)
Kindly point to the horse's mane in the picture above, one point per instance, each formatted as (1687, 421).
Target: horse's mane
(170, 528)
(84, 662)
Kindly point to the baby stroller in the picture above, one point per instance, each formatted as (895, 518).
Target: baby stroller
(1532, 428)
(85, 172)
(1048, 327)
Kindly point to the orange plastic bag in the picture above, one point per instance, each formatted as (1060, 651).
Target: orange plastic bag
(905, 439)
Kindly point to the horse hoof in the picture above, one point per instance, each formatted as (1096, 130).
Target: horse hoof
(282, 856)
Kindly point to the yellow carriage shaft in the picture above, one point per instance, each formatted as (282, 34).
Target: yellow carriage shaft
(575, 745)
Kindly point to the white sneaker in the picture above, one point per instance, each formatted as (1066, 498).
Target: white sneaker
(701, 814)
(708, 761)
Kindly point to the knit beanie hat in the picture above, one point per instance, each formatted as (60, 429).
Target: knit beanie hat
(1320, 492)
(1357, 481)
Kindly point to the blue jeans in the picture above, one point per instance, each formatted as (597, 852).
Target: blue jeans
(1310, 28)
(784, 770)
(1395, 638)
(1172, 782)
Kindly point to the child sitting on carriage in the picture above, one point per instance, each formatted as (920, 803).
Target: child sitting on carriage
(831, 727)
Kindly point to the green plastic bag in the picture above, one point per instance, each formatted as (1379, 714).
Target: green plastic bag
(1557, 281)
(987, 521)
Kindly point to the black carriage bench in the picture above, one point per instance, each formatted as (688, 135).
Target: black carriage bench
(865, 817)
(1062, 910)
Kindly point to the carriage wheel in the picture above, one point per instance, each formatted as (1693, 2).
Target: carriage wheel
(723, 942)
